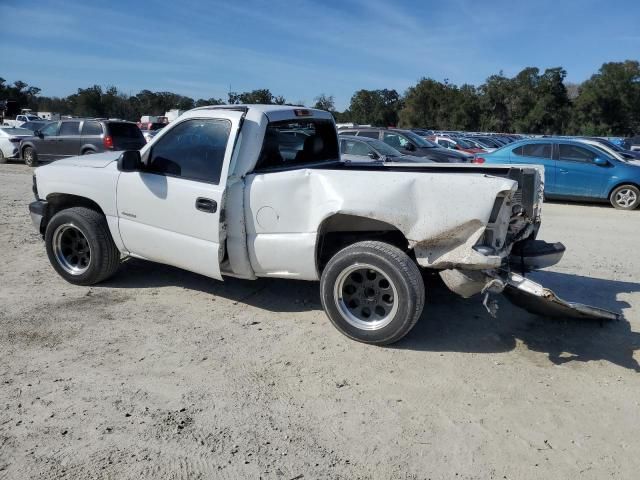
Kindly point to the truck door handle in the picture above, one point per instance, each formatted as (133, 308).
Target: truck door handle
(206, 205)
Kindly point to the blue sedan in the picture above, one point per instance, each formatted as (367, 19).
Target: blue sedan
(575, 170)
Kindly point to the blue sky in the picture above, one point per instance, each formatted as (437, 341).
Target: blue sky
(302, 48)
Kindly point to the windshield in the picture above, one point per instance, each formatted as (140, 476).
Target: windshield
(418, 140)
(463, 143)
(384, 149)
(474, 143)
(17, 131)
(608, 154)
(490, 142)
(611, 145)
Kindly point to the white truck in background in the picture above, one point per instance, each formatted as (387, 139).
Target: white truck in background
(49, 116)
(24, 117)
(260, 191)
(173, 114)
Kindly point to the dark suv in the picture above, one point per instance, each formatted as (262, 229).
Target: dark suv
(79, 136)
(409, 143)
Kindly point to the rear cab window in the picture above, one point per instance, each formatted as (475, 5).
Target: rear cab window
(290, 143)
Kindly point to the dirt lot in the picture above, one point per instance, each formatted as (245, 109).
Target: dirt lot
(161, 373)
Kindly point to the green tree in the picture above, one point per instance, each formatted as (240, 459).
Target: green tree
(375, 107)
(494, 103)
(609, 102)
(201, 102)
(260, 96)
(324, 102)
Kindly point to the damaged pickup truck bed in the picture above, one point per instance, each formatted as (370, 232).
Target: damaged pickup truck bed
(260, 191)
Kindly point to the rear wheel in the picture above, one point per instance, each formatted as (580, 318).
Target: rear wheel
(80, 247)
(372, 292)
(625, 197)
(30, 157)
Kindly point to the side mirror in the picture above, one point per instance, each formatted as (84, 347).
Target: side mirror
(373, 156)
(129, 161)
(410, 146)
(601, 162)
(38, 133)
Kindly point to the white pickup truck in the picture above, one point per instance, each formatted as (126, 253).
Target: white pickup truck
(22, 119)
(260, 191)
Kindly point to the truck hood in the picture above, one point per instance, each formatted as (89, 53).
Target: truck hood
(96, 160)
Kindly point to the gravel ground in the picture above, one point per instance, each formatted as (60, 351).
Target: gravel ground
(161, 373)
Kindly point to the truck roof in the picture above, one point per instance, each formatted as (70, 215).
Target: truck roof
(273, 112)
(264, 108)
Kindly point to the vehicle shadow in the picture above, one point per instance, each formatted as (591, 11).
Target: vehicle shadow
(449, 323)
(272, 294)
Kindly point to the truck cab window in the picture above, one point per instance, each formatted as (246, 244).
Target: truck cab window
(193, 150)
(299, 142)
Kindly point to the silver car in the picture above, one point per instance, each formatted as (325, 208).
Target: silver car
(365, 149)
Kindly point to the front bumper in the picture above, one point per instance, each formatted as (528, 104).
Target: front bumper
(38, 211)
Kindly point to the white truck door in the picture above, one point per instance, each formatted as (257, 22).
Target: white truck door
(170, 211)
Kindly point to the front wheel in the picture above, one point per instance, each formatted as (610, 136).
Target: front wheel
(372, 292)
(80, 247)
(625, 197)
(30, 157)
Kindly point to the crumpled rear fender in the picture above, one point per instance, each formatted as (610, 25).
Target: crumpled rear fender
(442, 215)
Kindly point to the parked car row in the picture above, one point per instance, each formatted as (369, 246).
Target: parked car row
(576, 168)
(409, 143)
(588, 168)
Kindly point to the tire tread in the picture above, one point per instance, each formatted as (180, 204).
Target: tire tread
(110, 258)
(408, 268)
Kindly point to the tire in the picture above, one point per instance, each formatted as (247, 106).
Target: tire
(80, 247)
(3, 159)
(381, 308)
(30, 156)
(88, 152)
(625, 197)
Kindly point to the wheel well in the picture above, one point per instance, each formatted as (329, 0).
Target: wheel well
(621, 184)
(61, 201)
(341, 230)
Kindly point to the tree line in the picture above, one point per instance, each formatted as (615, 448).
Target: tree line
(533, 101)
